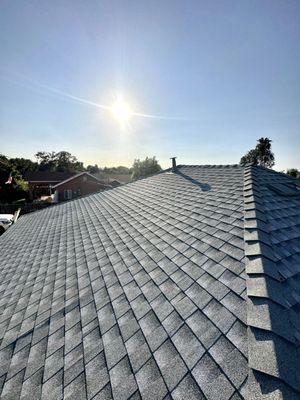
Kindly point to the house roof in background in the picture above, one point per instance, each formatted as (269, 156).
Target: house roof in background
(47, 176)
(142, 290)
(77, 176)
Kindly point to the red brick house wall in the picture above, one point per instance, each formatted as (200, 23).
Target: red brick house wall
(80, 186)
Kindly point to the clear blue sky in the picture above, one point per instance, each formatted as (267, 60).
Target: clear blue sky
(226, 72)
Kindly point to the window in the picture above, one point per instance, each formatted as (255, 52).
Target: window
(68, 194)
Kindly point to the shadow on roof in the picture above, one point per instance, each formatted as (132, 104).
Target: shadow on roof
(205, 187)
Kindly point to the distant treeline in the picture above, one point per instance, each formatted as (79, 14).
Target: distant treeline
(61, 161)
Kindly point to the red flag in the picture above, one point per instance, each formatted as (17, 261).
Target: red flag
(9, 180)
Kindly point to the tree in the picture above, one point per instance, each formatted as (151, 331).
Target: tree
(250, 158)
(93, 169)
(293, 172)
(117, 170)
(141, 169)
(262, 154)
(67, 163)
(17, 189)
(46, 160)
(62, 161)
(23, 165)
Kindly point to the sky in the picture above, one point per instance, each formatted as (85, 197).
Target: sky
(205, 78)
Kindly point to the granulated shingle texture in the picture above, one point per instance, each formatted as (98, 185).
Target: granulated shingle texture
(136, 292)
(183, 285)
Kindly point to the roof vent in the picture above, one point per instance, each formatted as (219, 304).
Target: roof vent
(174, 167)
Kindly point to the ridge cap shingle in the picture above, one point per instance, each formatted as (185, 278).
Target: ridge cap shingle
(273, 295)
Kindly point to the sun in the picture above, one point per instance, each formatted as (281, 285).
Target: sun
(121, 111)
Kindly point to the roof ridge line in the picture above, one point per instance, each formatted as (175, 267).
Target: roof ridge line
(266, 295)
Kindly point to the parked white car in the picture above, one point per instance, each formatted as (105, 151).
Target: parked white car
(6, 220)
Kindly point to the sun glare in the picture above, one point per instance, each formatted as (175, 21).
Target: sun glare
(121, 111)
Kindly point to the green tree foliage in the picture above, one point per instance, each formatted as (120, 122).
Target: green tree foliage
(262, 154)
(141, 169)
(293, 172)
(17, 189)
(117, 170)
(250, 158)
(24, 165)
(93, 169)
(62, 161)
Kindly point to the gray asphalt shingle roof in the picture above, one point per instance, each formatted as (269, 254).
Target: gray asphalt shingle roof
(140, 291)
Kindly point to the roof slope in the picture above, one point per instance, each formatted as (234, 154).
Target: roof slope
(134, 292)
(272, 235)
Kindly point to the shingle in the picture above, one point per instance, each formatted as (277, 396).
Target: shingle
(198, 295)
(213, 286)
(36, 357)
(236, 305)
(238, 336)
(169, 289)
(76, 386)
(193, 270)
(54, 363)
(232, 251)
(5, 357)
(234, 282)
(187, 389)
(18, 361)
(188, 346)
(153, 330)
(219, 315)
(32, 387)
(72, 317)
(53, 388)
(128, 325)
(71, 372)
(12, 387)
(172, 323)
(120, 306)
(231, 361)
(140, 306)
(138, 350)
(122, 380)
(170, 364)
(183, 305)
(73, 356)
(96, 375)
(213, 383)
(106, 318)
(203, 328)
(72, 338)
(150, 382)
(162, 307)
(113, 346)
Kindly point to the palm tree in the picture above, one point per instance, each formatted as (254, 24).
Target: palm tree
(262, 154)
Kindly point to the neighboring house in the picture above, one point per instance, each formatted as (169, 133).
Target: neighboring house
(41, 182)
(183, 285)
(76, 186)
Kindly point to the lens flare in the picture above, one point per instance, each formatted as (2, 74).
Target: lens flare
(121, 111)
